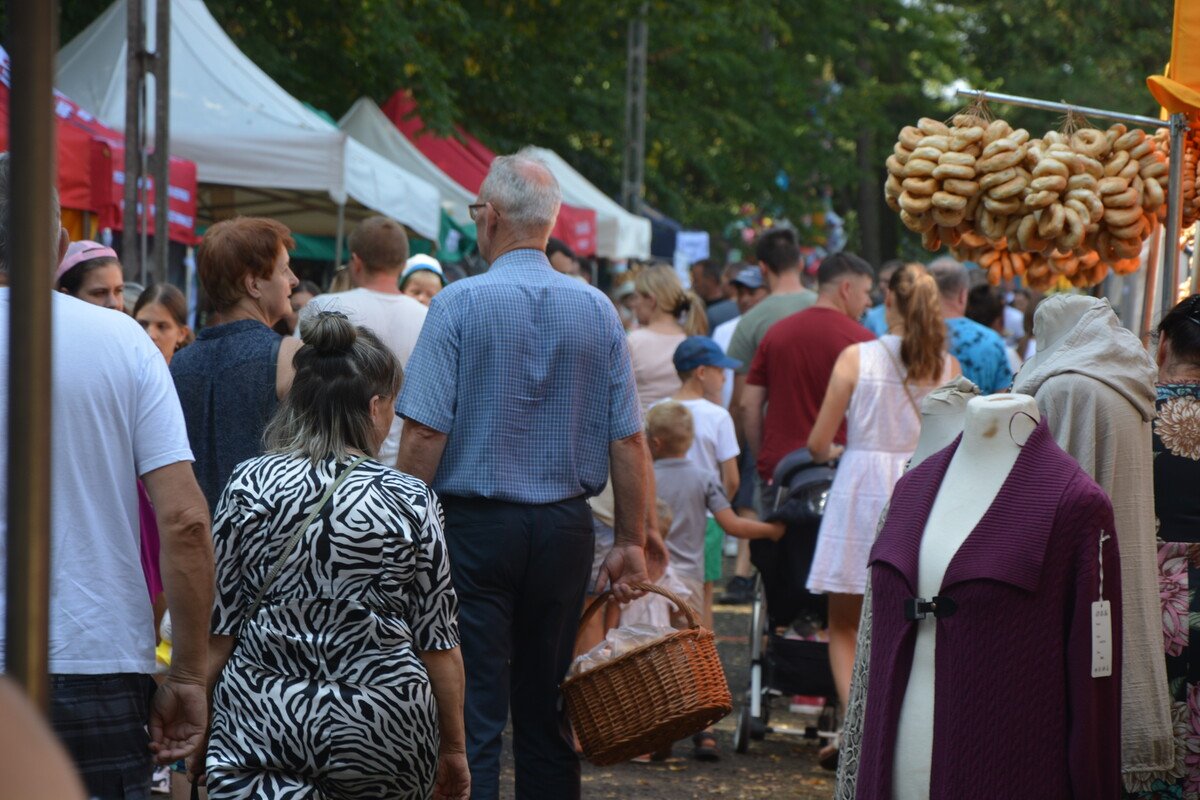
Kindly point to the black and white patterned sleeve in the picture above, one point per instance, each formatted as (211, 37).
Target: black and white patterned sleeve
(228, 602)
(432, 603)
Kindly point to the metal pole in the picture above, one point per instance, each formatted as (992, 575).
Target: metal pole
(31, 256)
(633, 173)
(1062, 108)
(1152, 265)
(135, 35)
(1170, 253)
(1195, 266)
(160, 159)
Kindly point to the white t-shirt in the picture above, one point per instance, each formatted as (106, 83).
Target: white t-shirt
(714, 440)
(1014, 325)
(395, 318)
(723, 335)
(115, 417)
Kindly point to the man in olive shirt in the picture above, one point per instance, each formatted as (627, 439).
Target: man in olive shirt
(778, 257)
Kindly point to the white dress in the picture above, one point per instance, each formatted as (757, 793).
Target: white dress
(882, 429)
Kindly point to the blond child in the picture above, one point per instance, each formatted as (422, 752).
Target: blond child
(690, 491)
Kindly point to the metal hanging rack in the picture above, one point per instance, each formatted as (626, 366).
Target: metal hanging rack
(1177, 124)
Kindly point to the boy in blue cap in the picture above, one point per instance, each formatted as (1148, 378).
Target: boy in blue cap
(701, 364)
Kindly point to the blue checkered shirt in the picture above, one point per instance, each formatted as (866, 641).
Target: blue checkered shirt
(528, 373)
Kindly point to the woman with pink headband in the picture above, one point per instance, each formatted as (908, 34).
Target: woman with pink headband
(92, 272)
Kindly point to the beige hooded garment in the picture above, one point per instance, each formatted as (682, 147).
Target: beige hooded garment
(1094, 384)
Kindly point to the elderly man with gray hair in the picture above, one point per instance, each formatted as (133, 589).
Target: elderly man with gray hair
(979, 349)
(519, 398)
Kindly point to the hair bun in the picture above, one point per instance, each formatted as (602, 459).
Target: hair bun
(329, 333)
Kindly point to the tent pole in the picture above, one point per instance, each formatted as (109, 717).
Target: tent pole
(160, 160)
(32, 254)
(341, 232)
(135, 37)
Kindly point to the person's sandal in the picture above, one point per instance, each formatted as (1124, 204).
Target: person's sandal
(705, 747)
(827, 757)
(653, 758)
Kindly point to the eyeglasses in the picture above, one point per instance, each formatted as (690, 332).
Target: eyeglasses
(475, 208)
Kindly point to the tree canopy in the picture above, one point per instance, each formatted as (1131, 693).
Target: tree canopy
(769, 105)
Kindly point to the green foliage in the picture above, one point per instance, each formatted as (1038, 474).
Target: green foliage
(738, 93)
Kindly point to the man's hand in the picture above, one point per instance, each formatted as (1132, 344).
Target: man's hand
(178, 720)
(453, 777)
(655, 555)
(624, 564)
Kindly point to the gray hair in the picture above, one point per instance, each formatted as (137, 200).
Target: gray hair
(951, 276)
(55, 213)
(524, 191)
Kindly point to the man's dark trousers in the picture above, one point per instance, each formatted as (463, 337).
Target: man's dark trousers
(520, 572)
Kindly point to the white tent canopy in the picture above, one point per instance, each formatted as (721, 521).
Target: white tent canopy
(367, 123)
(243, 130)
(619, 234)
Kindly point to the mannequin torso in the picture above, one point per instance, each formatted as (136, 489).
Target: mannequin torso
(975, 476)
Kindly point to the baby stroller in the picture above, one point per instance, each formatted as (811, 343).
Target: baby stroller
(783, 665)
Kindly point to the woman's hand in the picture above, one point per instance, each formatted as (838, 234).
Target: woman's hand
(834, 453)
(453, 777)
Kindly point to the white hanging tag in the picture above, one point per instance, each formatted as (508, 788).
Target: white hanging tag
(1101, 639)
(1102, 625)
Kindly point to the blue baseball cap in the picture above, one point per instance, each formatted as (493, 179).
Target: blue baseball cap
(701, 351)
(750, 277)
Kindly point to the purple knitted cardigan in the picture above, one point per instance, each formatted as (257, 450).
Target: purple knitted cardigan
(1016, 711)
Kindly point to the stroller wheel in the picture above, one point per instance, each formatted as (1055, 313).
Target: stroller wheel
(758, 729)
(741, 734)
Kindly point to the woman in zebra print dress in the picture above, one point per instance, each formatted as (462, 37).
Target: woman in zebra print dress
(341, 680)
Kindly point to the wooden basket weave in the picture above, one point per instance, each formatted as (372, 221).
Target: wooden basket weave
(650, 697)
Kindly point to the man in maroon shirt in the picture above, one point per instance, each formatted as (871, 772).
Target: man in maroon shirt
(793, 363)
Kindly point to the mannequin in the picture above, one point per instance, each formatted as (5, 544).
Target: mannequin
(943, 412)
(1018, 576)
(979, 468)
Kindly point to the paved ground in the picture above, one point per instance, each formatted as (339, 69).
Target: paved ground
(777, 767)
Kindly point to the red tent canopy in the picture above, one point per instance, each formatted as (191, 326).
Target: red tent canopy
(91, 167)
(465, 159)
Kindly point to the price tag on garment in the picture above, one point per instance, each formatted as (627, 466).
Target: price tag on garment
(1101, 639)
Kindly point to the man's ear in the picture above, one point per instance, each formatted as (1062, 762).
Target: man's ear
(64, 241)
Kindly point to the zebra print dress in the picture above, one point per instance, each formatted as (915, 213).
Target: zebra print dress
(325, 695)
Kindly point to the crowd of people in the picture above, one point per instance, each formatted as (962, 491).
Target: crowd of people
(344, 538)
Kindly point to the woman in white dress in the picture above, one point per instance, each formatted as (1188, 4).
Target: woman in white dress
(877, 387)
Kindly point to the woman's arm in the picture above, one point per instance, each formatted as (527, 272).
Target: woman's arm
(445, 668)
(285, 370)
(220, 648)
(833, 409)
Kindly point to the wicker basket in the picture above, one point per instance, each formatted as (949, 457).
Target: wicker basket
(650, 697)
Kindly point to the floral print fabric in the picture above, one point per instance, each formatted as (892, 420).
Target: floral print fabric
(1176, 476)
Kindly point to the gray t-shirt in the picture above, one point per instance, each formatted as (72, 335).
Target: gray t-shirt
(689, 491)
(755, 323)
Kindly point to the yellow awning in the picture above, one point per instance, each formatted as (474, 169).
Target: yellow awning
(1178, 91)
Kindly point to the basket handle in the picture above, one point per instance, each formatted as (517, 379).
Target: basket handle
(603, 599)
